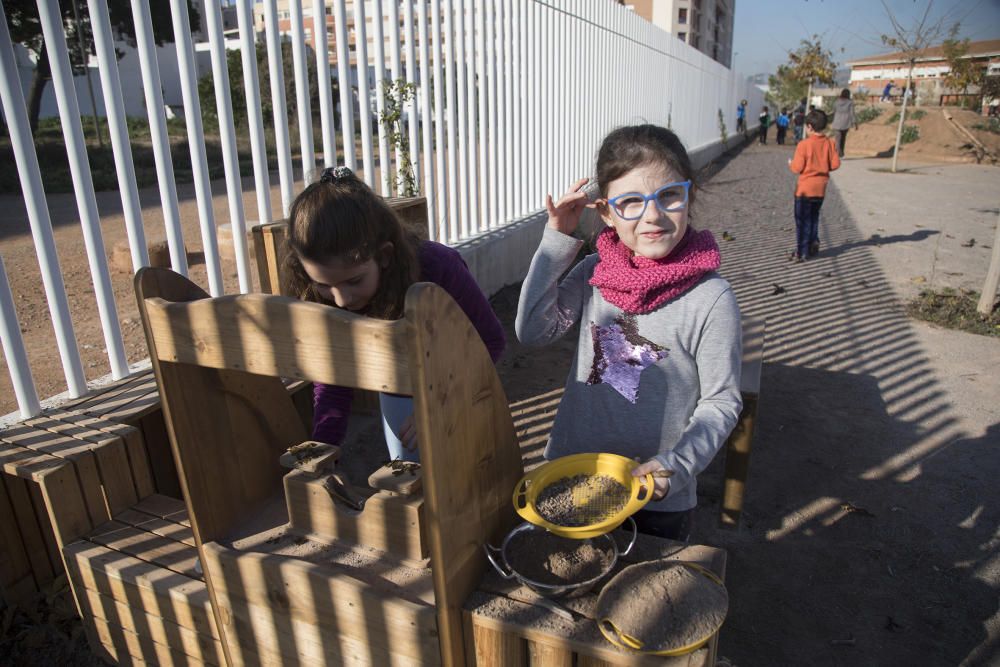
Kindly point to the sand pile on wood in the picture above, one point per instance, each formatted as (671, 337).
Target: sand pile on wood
(552, 560)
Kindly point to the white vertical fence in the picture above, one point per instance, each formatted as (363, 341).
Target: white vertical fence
(513, 97)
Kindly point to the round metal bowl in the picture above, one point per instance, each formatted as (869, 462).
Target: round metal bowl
(504, 569)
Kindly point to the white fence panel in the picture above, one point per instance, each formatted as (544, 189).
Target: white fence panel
(513, 98)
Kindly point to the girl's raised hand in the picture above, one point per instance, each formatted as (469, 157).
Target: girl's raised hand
(564, 215)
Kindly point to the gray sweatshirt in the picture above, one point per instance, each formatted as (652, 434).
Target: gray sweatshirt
(664, 384)
(843, 114)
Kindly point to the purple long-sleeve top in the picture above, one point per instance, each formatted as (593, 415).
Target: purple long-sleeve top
(442, 266)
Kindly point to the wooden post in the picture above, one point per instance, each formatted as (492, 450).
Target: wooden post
(989, 294)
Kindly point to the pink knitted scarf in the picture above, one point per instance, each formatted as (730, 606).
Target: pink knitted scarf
(639, 285)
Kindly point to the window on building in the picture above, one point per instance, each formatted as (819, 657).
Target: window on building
(682, 15)
(682, 36)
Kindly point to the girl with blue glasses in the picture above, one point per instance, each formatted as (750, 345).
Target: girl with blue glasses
(657, 370)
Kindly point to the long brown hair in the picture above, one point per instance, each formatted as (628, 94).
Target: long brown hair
(340, 217)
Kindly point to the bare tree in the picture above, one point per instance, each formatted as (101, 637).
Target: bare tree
(911, 42)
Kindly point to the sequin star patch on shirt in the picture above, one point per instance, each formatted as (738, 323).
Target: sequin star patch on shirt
(621, 354)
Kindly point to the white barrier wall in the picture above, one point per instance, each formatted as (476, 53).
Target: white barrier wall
(513, 99)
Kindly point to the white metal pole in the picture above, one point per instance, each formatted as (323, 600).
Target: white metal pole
(414, 106)
(534, 124)
(454, 215)
(83, 184)
(107, 64)
(519, 104)
(462, 90)
(364, 94)
(440, 145)
(501, 164)
(378, 37)
(425, 121)
(548, 102)
(196, 142)
(28, 173)
(324, 82)
(302, 104)
(158, 135)
(276, 77)
(13, 350)
(487, 116)
(344, 83)
(255, 118)
(395, 69)
(471, 192)
(227, 137)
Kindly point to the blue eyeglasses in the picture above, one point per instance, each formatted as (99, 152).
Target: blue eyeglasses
(671, 198)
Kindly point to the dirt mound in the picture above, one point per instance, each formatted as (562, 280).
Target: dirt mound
(938, 141)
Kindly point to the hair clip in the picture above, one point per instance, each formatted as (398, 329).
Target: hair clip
(336, 174)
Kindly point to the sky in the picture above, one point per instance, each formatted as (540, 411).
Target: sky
(766, 30)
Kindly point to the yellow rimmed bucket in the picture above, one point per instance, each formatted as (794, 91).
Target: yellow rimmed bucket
(623, 640)
(619, 468)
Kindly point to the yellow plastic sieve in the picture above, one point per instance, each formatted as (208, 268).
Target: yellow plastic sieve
(605, 519)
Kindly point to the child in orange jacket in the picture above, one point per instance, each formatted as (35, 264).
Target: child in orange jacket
(815, 157)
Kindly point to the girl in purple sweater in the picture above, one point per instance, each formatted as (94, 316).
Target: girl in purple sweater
(349, 250)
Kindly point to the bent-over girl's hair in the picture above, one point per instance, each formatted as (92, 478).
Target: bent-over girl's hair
(634, 146)
(340, 217)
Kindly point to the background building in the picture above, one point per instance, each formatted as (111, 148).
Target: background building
(707, 25)
(869, 75)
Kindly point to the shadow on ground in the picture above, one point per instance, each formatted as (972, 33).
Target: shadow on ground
(869, 533)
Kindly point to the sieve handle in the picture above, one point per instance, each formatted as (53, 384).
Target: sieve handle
(490, 551)
(611, 630)
(635, 536)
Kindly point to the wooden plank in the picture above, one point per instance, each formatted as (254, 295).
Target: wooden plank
(544, 655)
(201, 648)
(468, 449)
(500, 649)
(64, 504)
(167, 553)
(45, 526)
(268, 636)
(336, 603)
(737, 464)
(79, 453)
(109, 454)
(388, 523)
(239, 332)
(753, 329)
(17, 582)
(99, 395)
(31, 533)
(152, 524)
(127, 403)
(134, 447)
(164, 507)
(161, 456)
(141, 585)
(138, 647)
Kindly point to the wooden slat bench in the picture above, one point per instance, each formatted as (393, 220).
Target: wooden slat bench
(141, 595)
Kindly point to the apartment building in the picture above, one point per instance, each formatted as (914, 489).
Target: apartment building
(707, 25)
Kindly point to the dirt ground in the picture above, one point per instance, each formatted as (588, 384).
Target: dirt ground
(870, 533)
(939, 140)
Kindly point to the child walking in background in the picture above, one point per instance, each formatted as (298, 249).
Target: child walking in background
(741, 117)
(799, 120)
(782, 125)
(765, 122)
(657, 370)
(349, 250)
(815, 157)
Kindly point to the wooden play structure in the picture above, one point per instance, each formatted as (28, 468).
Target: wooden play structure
(219, 363)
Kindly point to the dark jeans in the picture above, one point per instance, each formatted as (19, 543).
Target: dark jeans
(671, 525)
(763, 134)
(841, 141)
(781, 134)
(806, 223)
(798, 133)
